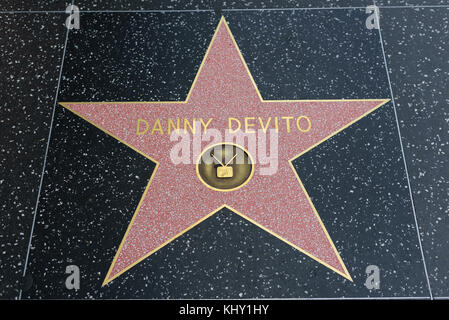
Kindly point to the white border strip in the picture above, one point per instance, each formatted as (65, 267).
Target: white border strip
(45, 160)
(403, 158)
(436, 6)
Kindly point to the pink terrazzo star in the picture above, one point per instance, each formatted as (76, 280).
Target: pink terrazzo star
(175, 200)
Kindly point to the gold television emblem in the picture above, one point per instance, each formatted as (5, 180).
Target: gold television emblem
(225, 172)
(225, 167)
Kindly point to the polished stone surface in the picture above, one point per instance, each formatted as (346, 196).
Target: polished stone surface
(416, 43)
(357, 179)
(31, 47)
